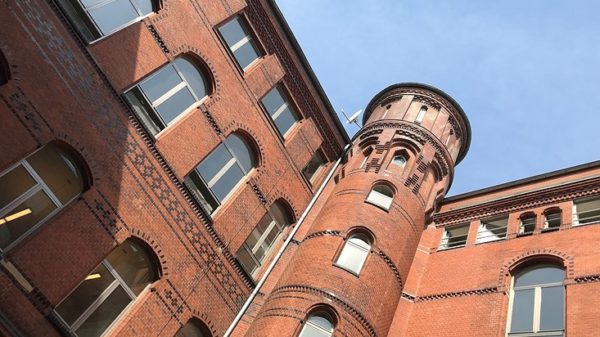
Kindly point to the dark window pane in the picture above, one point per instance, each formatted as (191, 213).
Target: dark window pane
(280, 214)
(144, 111)
(246, 54)
(160, 82)
(175, 105)
(85, 294)
(133, 265)
(313, 166)
(227, 182)
(105, 314)
(113, 15)
(552, 315)
(18, 220)
(192, 329)
(58, 170)
(232, 32)
(540, 275)
(273, 100)
(193, 77)
(80, 20)
(200, 192)
(241, 151)
(214, 162)
(285, 120)
(522, 312)
(13, 184)
(246, 260)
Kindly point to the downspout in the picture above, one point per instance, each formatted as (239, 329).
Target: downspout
(286, 243)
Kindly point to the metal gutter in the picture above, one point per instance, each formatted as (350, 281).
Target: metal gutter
(290, 35)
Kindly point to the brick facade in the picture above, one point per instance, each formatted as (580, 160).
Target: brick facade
(55, 87)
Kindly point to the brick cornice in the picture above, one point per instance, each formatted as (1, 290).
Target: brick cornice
(519, 202)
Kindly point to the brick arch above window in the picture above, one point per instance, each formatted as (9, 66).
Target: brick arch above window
(531, 257)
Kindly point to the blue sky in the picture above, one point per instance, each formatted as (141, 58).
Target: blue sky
(526, 72)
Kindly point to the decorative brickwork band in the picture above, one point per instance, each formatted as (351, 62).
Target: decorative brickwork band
(587, 279)
(454, 294)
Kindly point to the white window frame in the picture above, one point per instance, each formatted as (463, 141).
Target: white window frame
(537, 310)
(286, 104)
(379, 199)
(317, 327)
(40, 186)
(554, 212)
(118, 281)
(153, 105)
(488, 235)
(244, 40)
(576, 220)
(444, 242)
(359, 252)
(252, 250)
(421, 115)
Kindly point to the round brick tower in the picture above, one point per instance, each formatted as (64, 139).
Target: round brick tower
(353, 260)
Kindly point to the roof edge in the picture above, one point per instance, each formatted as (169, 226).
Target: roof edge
(524, 181)
(290, 35)
(467, 143)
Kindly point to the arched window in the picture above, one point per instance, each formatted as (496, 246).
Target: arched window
(4, 69)
(261, 241)
(221, 172)
(527, 223)
(537, 302)
(167, 93)
(381, 195)
(107, 291)
(355, 252)
(194, 328)
(399, 160)
(96, 18)
(552, 219)
(35, 189)
(421, 115)
(318, 324)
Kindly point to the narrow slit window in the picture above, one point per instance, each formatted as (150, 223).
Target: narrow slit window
(421, 115)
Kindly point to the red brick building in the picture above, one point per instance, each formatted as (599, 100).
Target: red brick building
(173, 168)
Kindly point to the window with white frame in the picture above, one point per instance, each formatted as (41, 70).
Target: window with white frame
(240, 41)
(552, 219)
(108, 291)
(221, 172)
(586, 211)
(537, 302)
(167, 93)
(281, 111)
(527, 225)
(399, 160)
(194, 328)
(492, 229)
(354, 253)
(313, 167)
(454, 237)
(96, 18)
(35, 189)
(259, 243)
(381, 195)
(318, 324)
(421, 115)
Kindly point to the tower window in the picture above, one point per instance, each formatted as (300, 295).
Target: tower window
(586, 212)
(454, 237)
(492, 230)
(164, 96)
(399, 160)
(382, 196)
(355, 252)
(313, 167)
(552, 219)
(36, 189)
(527, 224)
(238, 38)
(280, 110)
(537, 302)
(366, 154)
(260, 242)
(106, 292)
(221, 172)
(318, 324)
(97, 18)
(421, 115)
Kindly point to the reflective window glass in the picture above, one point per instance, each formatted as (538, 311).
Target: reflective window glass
(240, 42)
(354, 253)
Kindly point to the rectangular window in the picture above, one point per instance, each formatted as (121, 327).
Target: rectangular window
(454, 237)
(527, 225)
(240, 42)
(586, 212)
(553, 220)
(421, 115)
(280, 110)
(313, 167)
(492, 229)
